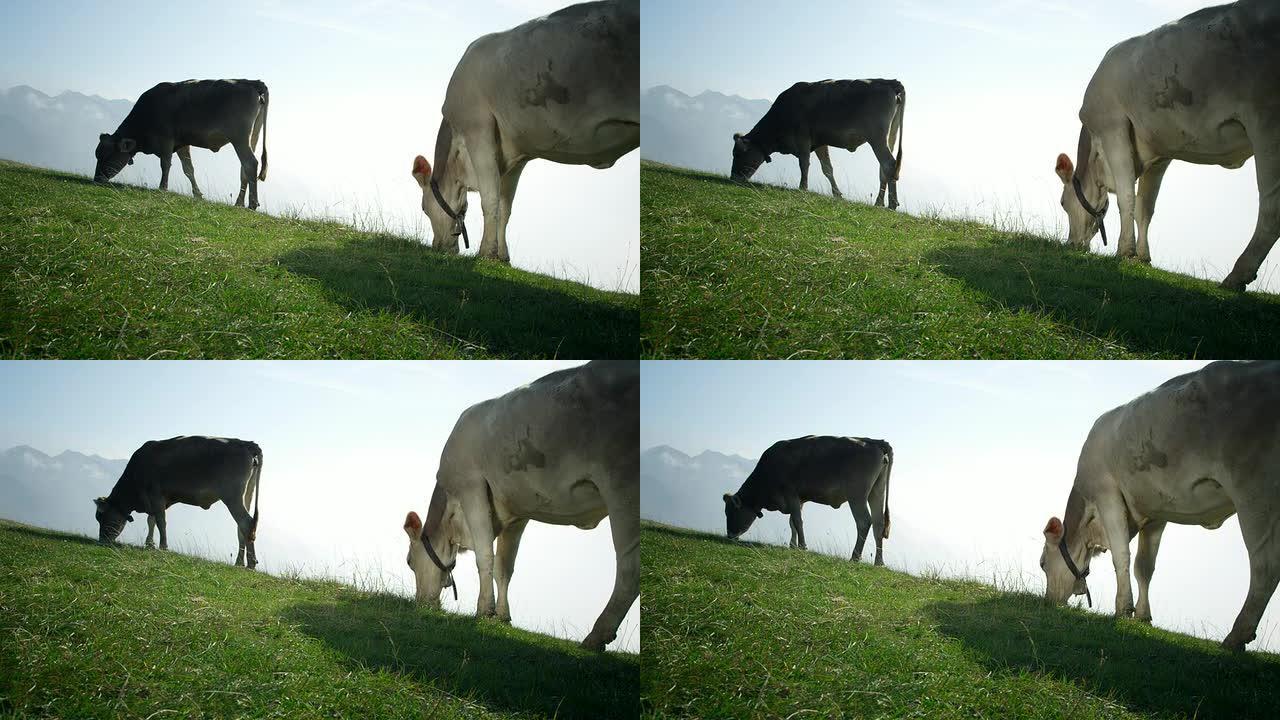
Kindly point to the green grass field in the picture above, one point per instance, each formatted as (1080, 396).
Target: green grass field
(89, 271)
(88, 631)
(738, 630)
(733, 271)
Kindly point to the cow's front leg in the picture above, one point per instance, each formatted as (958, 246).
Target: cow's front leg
(479, 519)
(151, 530)
(248, 174)
(1144, 566)
(508, 545)
(1267, 163)
(824, 159)
(160, 523)
(804, 170)
(166, 159)
(1112, 516)
(1148, 189)
(623, 502)
(1119, 158)
(861, 518)
(797, 529)
(1260, 530)
(509, 183)
(483, 151)
(184, 157)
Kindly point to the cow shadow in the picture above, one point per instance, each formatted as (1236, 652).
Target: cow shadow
(43, 534)
(1102, 297)
(473, 659)
(455, 297)
(1149, 672)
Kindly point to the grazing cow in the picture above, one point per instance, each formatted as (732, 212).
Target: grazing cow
(1202, 90)
(811, 117)
(565, 450)
(190, 470)
(1194, 451)
(174, 117)
(564, 88)
(818, 468)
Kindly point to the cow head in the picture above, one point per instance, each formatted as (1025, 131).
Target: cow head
(747, 157)
(1082, 225)
(111, 520)
(1060, 582)
(431, 579)
(113, 154)
(737, 516)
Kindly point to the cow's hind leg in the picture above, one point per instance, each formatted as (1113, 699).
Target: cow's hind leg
(1261, 531)
(824, 159)
(184, 157)
(888, 171)
(246, 534)
(508, 545)
(151, 531)
(876, 499)
(248, 175)
(623, 502)
(1148, 189)
(1144, 566)
(1267, 162)
(861, 518)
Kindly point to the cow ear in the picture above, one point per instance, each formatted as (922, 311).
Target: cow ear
(104, 136)
(412, 524)
(421, 170)
(99, 501)
(1064, 168)
(127, 145)
(1053, 531)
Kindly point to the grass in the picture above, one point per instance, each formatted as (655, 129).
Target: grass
(734, 271)
(89, 271)
(738, 630)
(88, 631)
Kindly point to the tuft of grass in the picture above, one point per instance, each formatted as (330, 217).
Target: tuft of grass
(739, 630)
(90, 271)
(752, 271)
(88, 631)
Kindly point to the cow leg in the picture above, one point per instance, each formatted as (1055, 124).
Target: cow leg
(1148, 189)
(1267, 161)
(151, 530)
(797, 530)
(479, 516)
(508, 544)
(804, 171)
(166, 159)
(1144, 566)
(1118, 152)
(184, 157)
(876, 500)
(884, 182)
(509, 183)
(824, 159)
(160, 523)
(861, 518)
(888, 170)
(1260, 531)
(482, 148)
(1112, 514)
(248, 174)
(245, 533)
(624, 523)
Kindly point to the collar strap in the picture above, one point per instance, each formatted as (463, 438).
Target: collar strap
(1071, 565)
(459, 219)
(1097, 214)
(447, 569)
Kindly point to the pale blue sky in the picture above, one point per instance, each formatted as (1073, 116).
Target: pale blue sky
(993, 92)
(356, 89)
(984, 454)
(348, 449)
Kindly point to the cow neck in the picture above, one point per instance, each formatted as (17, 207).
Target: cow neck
(1073, 519)
(446, 569)
(125, 499)
(1084, 158)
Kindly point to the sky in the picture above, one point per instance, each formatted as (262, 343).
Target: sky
(984, 454)
(993, 95)
(348, 449)
(356, 90)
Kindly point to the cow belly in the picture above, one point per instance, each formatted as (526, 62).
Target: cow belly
(1187, 499)
(558, 500)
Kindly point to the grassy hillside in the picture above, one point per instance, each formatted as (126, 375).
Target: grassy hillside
(736, 630)
(119, 272)
(95, 632)
(755, 271)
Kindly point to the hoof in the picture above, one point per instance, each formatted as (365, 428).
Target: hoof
(504, 618)
(595, 643)
(1233, 284)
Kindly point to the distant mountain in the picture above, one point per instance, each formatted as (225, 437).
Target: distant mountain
(680, 490)
(694, 132)
(57, 491)
(56, 132)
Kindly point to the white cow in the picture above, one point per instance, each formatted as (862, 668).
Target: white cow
(565, 88)
(1202, 89)
(1194, 451)
(565, 450)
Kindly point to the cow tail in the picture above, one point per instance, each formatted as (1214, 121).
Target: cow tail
(888, 470)
(257, 489)
(900, 119)
(266, 102)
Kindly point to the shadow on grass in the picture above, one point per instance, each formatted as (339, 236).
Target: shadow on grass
(43, 534)
(1119, 659)
(687, 534)
(474, 659)
(451, 294)
(1189, 318)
